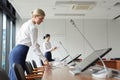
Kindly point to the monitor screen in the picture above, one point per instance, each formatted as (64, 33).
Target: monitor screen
(65, 58)
(92, 58)
(69, 59)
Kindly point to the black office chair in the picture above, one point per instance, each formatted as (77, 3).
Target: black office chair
(42, 64)
(30, 70)
(20, 75)
(19, 72)
(35, 66)
(3, 75)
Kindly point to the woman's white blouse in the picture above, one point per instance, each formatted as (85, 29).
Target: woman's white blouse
(47, 46)
(28, 35)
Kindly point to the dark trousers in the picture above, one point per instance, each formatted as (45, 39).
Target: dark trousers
(17, 55)
(48, 55)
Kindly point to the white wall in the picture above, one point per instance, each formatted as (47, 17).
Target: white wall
(101, 33)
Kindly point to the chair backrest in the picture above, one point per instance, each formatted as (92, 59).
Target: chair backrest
(34, 64)
(19, 72)
(42, 63)
(3, 75)
(29, 68)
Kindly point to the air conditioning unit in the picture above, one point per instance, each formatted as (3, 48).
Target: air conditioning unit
(77, 5)
(81, 7)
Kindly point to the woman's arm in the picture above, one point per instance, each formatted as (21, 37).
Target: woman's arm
(35, 45)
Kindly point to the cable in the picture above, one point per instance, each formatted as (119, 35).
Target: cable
(68, 55)
(73, 23)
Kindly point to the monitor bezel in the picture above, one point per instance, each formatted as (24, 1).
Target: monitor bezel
(91, 64)
(73, 58)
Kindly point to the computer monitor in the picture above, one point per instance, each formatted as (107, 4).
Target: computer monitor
(92, 58)
(70, 59)
(64, 58)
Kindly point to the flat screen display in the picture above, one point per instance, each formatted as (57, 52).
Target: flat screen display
(70, 59)
(65, 58)
(92, 58)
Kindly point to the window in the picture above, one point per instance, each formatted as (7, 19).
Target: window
(4, 41)
(7, 32)
(1, 24)
(11, 36)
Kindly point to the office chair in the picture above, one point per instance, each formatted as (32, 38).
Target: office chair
(3, 75)
(30, 70)
(20, 75)
(42, 63)
(35, 66)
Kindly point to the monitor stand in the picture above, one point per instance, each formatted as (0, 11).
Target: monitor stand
(104, 73)
(75, 71)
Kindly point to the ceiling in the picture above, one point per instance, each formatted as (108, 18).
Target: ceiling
(88, 9)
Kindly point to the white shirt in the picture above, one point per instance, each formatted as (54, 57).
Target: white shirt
(28, 35)
(47, 46)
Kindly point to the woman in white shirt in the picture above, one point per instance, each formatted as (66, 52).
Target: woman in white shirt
(27, 37)
(48, 48)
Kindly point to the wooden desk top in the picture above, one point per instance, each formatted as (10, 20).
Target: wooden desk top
(62, 73)
(115, 64)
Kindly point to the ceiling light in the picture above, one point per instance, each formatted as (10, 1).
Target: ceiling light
(69, 14)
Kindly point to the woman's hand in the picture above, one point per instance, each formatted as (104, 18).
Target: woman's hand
(46, 63)
(54, 48)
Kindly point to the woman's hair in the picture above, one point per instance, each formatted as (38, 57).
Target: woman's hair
(46, 36)
(38, 12)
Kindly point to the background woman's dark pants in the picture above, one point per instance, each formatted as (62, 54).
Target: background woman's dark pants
(48, 55)
(17, 55)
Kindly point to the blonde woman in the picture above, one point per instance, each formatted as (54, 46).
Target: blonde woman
(27, 37)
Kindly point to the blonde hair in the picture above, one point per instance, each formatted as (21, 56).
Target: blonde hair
(38, 12)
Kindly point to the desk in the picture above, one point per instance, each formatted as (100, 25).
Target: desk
(62, 73)
(115, 64)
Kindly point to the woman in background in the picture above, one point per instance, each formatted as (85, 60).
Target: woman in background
(48, 48)
(27, 37)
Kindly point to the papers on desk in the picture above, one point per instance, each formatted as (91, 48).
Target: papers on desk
(75, 71)
(55, 64)
(117, 77)
(116, 74)
(104, 73)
